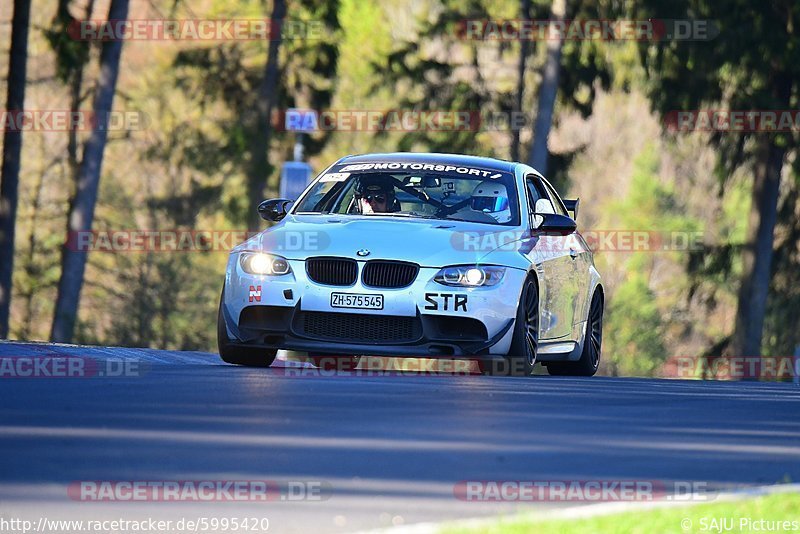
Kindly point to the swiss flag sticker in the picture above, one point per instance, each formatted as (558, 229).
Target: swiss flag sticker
(255, 293)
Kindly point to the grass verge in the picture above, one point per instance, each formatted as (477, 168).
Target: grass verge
(772, 513)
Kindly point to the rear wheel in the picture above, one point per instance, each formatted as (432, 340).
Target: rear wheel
(592, 345)
(521, 357)
(335, 362)
(237, 354)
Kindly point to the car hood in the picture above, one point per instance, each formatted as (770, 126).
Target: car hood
(430, 243)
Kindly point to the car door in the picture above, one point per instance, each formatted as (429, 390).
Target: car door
(554, 263)
(579, 257)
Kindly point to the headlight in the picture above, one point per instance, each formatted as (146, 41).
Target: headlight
(260, 263)
(470, 275)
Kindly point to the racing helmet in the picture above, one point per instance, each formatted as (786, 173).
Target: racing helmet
(491, 198)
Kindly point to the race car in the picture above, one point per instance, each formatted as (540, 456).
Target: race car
(421, 256)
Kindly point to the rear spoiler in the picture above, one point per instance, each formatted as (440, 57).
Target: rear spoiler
(572, 205)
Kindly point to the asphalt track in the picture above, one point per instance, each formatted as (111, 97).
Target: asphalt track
(387, 450)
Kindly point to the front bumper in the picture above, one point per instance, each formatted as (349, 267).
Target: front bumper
(291, 312)
(287, 328)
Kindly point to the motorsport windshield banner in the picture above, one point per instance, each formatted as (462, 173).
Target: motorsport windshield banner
(415, 166)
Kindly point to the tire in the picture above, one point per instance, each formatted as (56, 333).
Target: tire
(335, 362)
(592, 345)
(521, 357)
(237, 354)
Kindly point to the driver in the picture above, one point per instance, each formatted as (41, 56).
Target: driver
(376, 195)
(491, 198)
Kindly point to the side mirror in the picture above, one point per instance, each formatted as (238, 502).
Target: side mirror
(554, 224)
(274, 209)
(572, 205)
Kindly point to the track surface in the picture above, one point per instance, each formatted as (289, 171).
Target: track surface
(391, 448)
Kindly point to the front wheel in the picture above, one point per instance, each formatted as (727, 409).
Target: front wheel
(592, 344)
(237, 354)
(521, 357)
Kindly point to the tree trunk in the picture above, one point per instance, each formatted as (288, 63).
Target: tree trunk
(547, 93)
(81, 214)
(76, 98)
(757, 255)
(258, 168)
(524, 50)
(12, 150)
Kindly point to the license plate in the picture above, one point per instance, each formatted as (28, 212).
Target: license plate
(354, 300)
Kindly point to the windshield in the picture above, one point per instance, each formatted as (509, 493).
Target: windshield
(433, 191)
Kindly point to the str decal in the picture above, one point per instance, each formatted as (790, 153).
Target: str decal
(441, 301)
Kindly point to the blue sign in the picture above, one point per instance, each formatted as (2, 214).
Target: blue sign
(295, 177)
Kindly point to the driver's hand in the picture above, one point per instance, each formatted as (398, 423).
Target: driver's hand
(365, 207)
